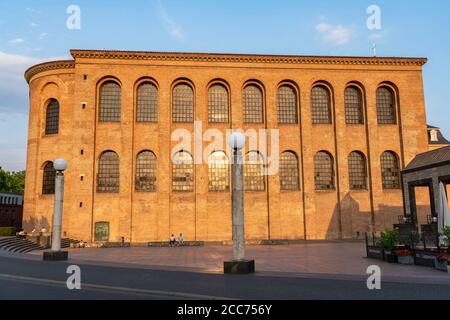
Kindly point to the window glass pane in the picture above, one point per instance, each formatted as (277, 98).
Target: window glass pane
(218, 104)
(353, 106)
(147, 103)
(287, 105)
(183, 172)
(253, 105)
(52, 118)
(218, 172)
(289, 177)
(390, 170)
(321, 105)
(357, 171)
(110, 102)
(324, 171)
(183, 104)
(146, 172)
(254, 179)
(386, 106)
(48, 181)
(108, 178)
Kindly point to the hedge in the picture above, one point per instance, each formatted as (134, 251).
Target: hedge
(7, 232)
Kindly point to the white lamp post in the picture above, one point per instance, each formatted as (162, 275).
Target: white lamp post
(239, 265)
(60, 165)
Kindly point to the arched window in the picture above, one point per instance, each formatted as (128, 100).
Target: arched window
(108, 176)
(253, 104)
(48, 179)
(324, 171)
(147, 103)
(353, 106)
(386, 106)
(146, 172)
(254, 179)
(182, 172)
(110, 102)
(321, 105)
(218, 104)
(289, 177)
(287, 105)
(357, 171)
(52, 118)
(218, 172)
(390, 170)
(183, 104)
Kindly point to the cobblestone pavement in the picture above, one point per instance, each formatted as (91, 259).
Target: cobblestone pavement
(334, 259)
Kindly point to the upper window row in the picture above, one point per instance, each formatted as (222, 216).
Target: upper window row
(183, 105)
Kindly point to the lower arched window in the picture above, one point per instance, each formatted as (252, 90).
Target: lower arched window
(108, 176)
(254, 179)
(48, 179)
(146, 172)
(357, 171)
(182, 172)
(324, 171)
(218, 172)
(289, 177)
(390, 170)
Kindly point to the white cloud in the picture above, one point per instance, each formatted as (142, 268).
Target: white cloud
(335, 34)
(34, 25)
(16, 41)
(43, 35)
(172, 28)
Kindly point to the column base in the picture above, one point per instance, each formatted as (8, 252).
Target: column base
(239, 267)
(56, 256)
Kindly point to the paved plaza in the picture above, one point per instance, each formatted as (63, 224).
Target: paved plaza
(321, 260)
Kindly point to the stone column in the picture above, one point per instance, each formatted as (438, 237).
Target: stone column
(57, 211)
(238, 207)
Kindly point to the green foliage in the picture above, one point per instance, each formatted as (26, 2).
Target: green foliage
(13, 182)
(389, 239)
(446, 233)
(7, 232)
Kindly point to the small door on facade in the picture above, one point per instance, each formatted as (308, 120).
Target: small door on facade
(101, 231)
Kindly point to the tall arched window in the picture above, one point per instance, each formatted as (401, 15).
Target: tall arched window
(390, 170)
(146, 172)
(147, 103)
(183, 103)
(253, 104)
(324, 171)
(110, 102)
(254, 179)
(357, 171)
(287, 105)
(108, 176)
(218, 172)
(52, 118)
(321, 105)
(183, 172)
(218, 104)
(48, 179)
(353, 106)
(386, 106)
(289, 176)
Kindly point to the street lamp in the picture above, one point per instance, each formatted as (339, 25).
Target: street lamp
(239, 265)
(60, 165)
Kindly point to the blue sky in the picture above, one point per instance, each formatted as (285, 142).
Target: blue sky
(35, 31)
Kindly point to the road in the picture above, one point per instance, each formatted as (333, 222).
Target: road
(32, 279)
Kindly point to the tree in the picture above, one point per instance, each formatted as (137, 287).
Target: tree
(13, 182)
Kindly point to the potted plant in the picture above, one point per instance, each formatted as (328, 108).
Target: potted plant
(441, 262)
(388, 241)
(405, 256)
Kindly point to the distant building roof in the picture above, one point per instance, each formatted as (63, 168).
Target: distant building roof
(428, 159)
(440, 139)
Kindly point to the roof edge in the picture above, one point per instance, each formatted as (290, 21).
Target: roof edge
(46, 66)
(236, 57)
